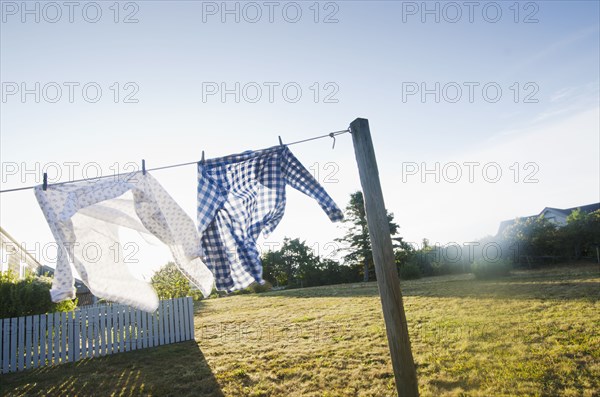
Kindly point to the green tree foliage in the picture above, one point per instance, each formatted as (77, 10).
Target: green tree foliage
(356, 241)
(530, 238)
(296, 265)
(581, 235)
(169, 283)
(531, 241)
(28, 296)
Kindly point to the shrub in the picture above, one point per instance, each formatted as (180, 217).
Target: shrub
(485, 269)
(28, 296)
(170, 283)
(409, 271)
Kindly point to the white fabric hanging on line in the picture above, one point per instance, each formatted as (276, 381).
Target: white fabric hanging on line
(85, 217)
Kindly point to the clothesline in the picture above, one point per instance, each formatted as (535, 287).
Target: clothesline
(328, 135)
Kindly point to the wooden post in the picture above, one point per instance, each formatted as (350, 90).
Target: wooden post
(383, 256)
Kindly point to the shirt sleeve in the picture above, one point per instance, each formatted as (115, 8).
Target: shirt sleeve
(210, 197)
(301, 179)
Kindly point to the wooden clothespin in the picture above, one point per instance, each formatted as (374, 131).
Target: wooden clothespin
(143, 167)
(202, 160)
(280, 141)
(45, 181)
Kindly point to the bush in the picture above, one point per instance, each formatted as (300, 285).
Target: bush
(170, 283)
(28, 296)
(409, 271)
(486, 270)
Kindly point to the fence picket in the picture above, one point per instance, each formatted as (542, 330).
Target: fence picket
(109, 346)
(96, 326)
(186, 318)
(13, 344)
(177, 318)
(138, 340)
(133, 329)
(64, 329)
(43, 332)
(164, 331)
(56, 343)
(123, 334)
(191, 318)
(102, 321)
(50, 339)
(120, 327)
(150, 318)
(183, 319)
(192, 326)
(155, 327)
(5, 330)
(36, 341)
(144, 329)
(77, 336)
(91, 318)
(28, 341)
(21, 343)
(127, 329)
(69, 336)
(171, 321)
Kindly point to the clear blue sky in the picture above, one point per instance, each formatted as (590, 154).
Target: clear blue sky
(372, 59)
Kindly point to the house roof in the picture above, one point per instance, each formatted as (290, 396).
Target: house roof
(567, 211)
(589, 208)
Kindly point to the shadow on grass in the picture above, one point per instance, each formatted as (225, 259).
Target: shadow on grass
(172, 370)
(520, 285)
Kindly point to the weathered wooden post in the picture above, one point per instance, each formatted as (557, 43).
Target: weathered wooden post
(383, 256)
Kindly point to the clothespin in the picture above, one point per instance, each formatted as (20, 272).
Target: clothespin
(143, 167)
(280, 141)
(45, 181)
(331, 134)
(202, 160)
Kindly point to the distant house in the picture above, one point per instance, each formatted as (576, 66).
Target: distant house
(557, 216)
(13, 256)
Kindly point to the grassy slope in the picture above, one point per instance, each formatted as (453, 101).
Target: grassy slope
(535, 333)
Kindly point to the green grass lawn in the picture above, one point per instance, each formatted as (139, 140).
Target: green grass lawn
(533, 333)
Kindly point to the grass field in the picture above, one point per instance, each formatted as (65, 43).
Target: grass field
(533, 333)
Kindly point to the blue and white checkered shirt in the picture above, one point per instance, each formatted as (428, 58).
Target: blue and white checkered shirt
(242, 195)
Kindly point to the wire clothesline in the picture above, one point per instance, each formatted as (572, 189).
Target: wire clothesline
(328, 135)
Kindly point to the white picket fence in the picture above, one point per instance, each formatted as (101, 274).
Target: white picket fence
(56, 338)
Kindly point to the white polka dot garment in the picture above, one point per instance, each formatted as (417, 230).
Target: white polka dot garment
(89, 213)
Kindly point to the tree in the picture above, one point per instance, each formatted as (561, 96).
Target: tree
(169, 283)
(531, 238)
(356, 241)
(296, 264)
(581, 234)
(299, 262)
